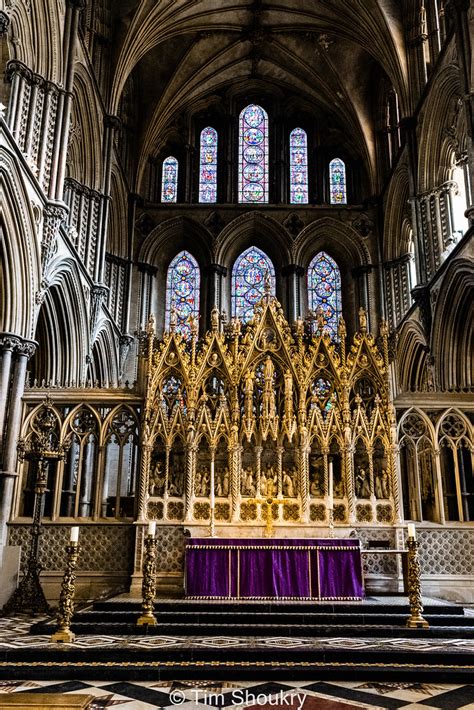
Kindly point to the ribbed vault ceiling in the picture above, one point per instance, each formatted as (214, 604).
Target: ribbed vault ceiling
(331, 54)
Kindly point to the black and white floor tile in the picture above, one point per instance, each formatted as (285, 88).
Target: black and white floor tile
(292, 695)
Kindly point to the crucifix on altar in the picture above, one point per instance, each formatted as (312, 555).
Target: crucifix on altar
(269, 500)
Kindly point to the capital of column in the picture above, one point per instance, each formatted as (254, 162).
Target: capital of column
(216, 269)
(27, 348)
(112, 122)
(4, 23)
(17, 344)
(9, 341)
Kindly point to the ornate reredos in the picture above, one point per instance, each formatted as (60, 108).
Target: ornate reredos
(267, 386)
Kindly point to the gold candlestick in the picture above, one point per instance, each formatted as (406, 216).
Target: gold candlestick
(415, 620)
(66, 599)
(149, 583)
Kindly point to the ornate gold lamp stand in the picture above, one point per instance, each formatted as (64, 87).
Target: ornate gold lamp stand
(415, 620)
(66, 598)
(42, 445)
(149, 581)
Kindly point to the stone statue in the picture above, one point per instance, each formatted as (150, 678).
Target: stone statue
(362, 484)
(156, 482)
(288, 487)
(175, 486)
(382, 485)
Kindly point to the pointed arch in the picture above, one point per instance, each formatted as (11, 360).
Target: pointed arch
(208, 165)
(337, 182)
(249, 273)
(182, 291)
(298, 167)
(20, 262)
(324, 289)
(169, 180)
(253, 155)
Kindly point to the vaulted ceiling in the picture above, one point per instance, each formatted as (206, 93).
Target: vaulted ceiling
(329, 55)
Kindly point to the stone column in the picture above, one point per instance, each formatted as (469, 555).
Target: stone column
(293, 274)
(73, 7)
(215, 273)
(8, 343)
(23, 351)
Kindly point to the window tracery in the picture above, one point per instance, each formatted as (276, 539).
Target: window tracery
(253, 155)
(324, 290)
(169, 180)
(248, 282)
(337, 182)
(298, 167)
(182, 293)
(208, 165)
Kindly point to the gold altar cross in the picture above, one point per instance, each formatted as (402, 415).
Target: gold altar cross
(269, 500)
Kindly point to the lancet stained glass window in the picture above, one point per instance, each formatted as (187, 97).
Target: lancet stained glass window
(298, 167)
(253, 155)
(324, 289)
(182, 291)
(337, 182)
(250, 271)
(208, 166)
(169, 180)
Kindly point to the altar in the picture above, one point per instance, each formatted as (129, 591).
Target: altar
(319, 569)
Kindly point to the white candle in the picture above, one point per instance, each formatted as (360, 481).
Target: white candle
(152, 528)
(331, 486)
(412, 530)
(74, 537)
(212, 484)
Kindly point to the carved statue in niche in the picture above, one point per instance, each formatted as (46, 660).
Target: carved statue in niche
(201, 482)
(248, 485)
(156, 484)
(289, 483)
(362, 485)
(176, 478)
(382, 484)
(222, 483)
(268, 481)
(316, 476)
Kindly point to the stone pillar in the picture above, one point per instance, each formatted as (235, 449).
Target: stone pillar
(73, 7)
(293, 274)
(8, 343)
(111, 124)
(215, 272)
(23, 351)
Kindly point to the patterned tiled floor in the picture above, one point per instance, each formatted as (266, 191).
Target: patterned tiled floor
(292, 695)
(14, 634)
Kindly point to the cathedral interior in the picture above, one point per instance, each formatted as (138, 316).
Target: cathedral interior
(236, 281)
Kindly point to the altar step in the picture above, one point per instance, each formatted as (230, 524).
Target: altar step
(262, 640)
(264, 619)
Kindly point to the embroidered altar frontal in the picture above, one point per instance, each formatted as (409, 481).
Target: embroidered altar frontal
(273, 569)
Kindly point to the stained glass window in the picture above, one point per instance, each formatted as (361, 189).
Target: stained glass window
(298, 167)
(324, 289)
(248, 282)
(208, 166)
(337, 182)
(182, 291)
(253, 155)
(169, 180)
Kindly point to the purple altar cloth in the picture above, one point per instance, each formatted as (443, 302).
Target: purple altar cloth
(325, 568)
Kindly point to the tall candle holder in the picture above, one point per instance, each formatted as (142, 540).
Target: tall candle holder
(41, 446)
(66, 598)
(147, 617)
(416, 620)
